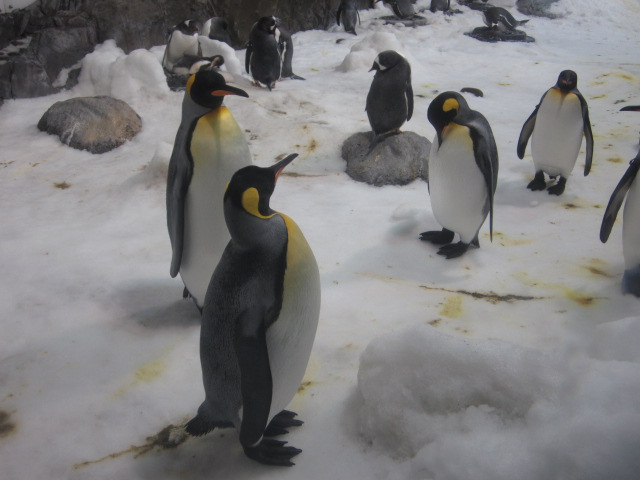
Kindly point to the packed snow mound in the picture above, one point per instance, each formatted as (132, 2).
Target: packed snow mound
(212, 47)
(454, 408)
(109, 71)
(364, 52)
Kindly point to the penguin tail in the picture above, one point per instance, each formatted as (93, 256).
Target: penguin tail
(522, 22)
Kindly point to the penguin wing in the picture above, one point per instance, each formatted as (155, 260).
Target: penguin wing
(409, 94)
(617, 197)
(588, 135)
(166, 51)
(527, 129)
(338, 14)
(256, 384)
(178, 180)
(247, 57)
(486, 155)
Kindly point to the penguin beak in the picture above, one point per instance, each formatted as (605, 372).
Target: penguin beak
(374, 67)
(279, 167)
(229, 90)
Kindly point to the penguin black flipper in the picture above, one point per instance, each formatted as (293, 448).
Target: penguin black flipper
(338, 13)
(486, 155)
(409, 94)
(588, 135)
(247, 58)
(527, 129)
(617, 197)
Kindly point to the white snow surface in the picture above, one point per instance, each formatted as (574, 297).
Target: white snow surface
(518, 360)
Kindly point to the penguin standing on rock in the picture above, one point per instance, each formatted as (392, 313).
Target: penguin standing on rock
(501, 19)
(183, 40)
(348, 13)
(263, 60)
(390, 98)
(259, 321)
(557, 124)
(629, 188)
(463, 172)
(209, 147)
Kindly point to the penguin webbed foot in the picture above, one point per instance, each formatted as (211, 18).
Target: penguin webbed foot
(279, 424)
(438, 237)
(272, 452)
(453, 250)
(558, 188)
(538, 182)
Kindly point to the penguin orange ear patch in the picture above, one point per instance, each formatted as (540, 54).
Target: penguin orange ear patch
(450, 104)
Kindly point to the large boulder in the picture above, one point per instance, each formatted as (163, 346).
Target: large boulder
(395, 160)
(96, 124)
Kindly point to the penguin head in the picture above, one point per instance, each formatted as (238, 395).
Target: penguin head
(208, 88)
(267, 24)
(444, 109)
(188, 27)
(246, 200)
(567, 80)
(386, 60)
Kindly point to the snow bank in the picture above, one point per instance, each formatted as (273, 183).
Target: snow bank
(454, 408)
(214, 47)
(364, 52)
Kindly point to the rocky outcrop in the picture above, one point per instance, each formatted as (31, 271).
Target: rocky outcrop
(96, 124)
(395, 160)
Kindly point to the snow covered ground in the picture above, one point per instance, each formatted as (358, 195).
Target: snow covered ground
(519, 360)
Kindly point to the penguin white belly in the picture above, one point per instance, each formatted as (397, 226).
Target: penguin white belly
(180, 45)
(218, 148)
(290, 338)
(557, 134)
(631, 227)
(456, 185)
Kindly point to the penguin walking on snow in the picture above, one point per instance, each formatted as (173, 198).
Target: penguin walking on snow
(557, 124)
(263, 59)
(463, 173)
(348, 13)
(501, 19)
(390, 99)
(183, 40)
(209, 147)
(628, 187)
(259, 321)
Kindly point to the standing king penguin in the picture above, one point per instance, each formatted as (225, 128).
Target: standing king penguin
(259, 321)
(558, 124)
(463, 173)
(628, 187)
(390, 97)
(209, 147)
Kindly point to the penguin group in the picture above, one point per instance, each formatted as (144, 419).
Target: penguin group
(250, 270)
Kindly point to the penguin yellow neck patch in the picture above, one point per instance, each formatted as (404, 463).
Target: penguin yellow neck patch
(450, 104)
(192, 79)
(250, 202)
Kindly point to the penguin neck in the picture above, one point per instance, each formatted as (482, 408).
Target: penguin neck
(191, 109)
(250, 232)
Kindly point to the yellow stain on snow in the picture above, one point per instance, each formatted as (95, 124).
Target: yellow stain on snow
(452, 307)
(581, 298)
(147, 373)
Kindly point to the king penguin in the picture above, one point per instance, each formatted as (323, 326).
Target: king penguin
(463, 172)
(209, 147)
(557, 124)
(263, 60)
(628, 187)
(259, 320)
(348, 14)
(390, 98)
(183, 40)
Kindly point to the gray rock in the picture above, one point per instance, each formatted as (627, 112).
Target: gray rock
(97, 124)
(538, 8)
(395, 160)
(29, 79)
(62, 48)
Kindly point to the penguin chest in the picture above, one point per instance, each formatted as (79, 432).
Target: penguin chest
(557, 134)
(459, 196)
(180, 45)
(218, 148)
(631, 227)
(291, 336)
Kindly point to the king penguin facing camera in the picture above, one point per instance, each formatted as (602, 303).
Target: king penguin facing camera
(209, 147)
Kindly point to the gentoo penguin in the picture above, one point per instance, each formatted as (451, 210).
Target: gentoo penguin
(390, 98)
(263, 57)
(402, 8)
(209, 148)
(259, 320)
(183, 40)
(440, 5)
(628, 187)
(348, 13)
(558, 124)
(286, 52)
(501, 19)
(217, 28)
(463, 172)
(190, 64)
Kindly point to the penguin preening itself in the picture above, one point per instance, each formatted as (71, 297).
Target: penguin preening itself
(463, 173)
(209, 147)
(348, 13)
(629, 188)
(501, 19)
(183, 40)
(259, 320)
(390, 98)
(557, 124)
